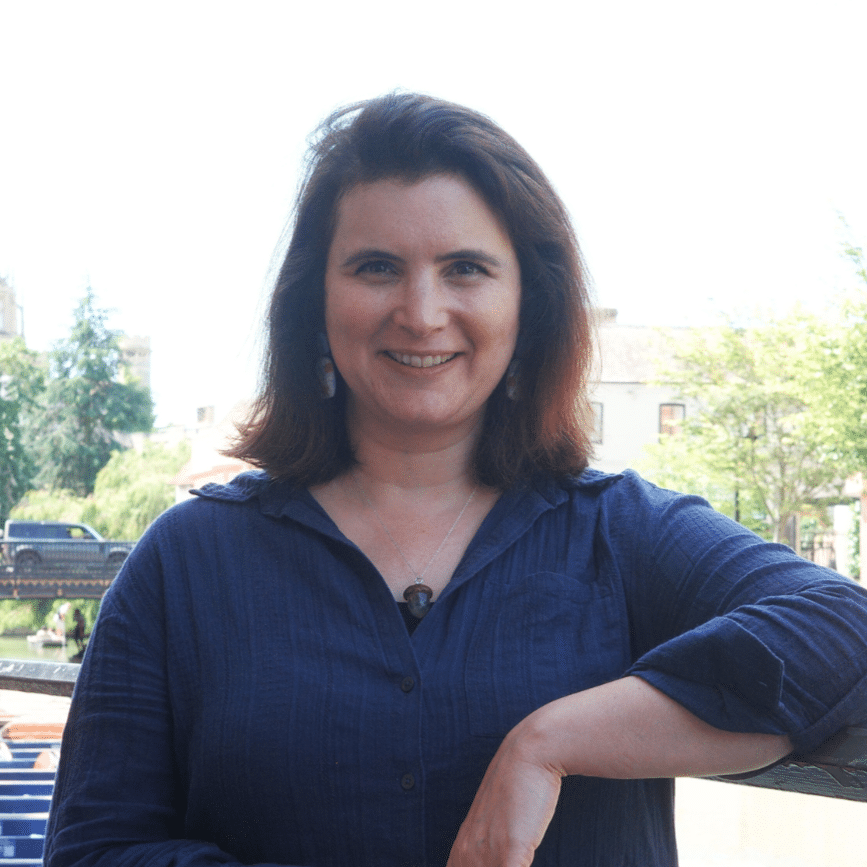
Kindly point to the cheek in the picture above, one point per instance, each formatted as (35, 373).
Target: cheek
(344, 314)
(502, 325)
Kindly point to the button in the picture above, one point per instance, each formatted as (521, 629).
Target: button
(407, 781)
(407, 684)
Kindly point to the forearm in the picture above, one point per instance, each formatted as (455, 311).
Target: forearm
(628, 729)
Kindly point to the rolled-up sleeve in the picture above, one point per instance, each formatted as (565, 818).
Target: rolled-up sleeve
(745, 634)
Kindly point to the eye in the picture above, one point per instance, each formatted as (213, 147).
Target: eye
(469, 269)
(375, 266)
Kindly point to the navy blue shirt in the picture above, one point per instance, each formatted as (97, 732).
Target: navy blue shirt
(251, 694)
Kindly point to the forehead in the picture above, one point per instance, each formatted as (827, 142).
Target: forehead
(436, 208)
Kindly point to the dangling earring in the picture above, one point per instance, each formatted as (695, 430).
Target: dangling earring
(325, 368)
(512, 379)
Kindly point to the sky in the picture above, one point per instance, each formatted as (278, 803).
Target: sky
(706, 151)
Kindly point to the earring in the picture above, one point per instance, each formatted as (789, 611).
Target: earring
(325, 368)
(513, 379)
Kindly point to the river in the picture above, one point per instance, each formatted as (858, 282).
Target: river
(16, 647)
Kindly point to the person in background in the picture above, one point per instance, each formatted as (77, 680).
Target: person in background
(78, 629)
(448, 641)
(59, 620)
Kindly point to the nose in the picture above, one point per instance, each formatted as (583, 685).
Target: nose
(422, 306)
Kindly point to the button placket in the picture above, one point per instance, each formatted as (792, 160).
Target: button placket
(407, 685)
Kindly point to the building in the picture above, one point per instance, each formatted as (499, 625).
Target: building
(11, 313)
(136, 354)
(207, 440)
(630, 409)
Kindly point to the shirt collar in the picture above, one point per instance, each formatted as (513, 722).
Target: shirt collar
(513, 514)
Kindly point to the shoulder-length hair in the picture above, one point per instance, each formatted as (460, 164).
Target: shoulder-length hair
(294, 433)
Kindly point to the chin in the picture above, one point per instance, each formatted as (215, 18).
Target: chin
(417, 414)
(430, 420)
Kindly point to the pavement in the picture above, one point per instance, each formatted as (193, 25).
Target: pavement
(32, 707)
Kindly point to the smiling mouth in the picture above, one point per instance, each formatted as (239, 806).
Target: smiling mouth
(420, 360)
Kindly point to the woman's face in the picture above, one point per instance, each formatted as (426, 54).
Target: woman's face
(422, 293)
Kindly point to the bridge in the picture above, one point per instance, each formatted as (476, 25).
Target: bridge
(50, 581)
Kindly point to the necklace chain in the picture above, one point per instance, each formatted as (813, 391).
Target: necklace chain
(418, 575)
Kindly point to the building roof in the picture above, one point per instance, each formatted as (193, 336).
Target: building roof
(219, 474)
(632, 353)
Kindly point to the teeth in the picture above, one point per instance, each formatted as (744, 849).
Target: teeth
(422, 360)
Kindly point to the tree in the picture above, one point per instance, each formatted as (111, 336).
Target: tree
(53, 505)
(85, 405)
(838, 368)
(749, 442)
(133, 488)
(130, 491)
(21, 382)
(838, 377)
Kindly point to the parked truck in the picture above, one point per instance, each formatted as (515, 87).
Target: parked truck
(32, 545)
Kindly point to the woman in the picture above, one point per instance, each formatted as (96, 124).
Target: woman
(78, 629)
(569, 641)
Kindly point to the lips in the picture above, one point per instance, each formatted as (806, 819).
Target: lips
(420, 360)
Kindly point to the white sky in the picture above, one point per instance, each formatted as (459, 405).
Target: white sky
(705, 150)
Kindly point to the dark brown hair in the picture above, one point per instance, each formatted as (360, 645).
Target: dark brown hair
(296, 435)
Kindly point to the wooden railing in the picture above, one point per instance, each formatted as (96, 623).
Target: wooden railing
(36, 675)
(837, 769)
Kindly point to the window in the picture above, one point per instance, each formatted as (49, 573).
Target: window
(671, 417)
(75, 532)
(596, 437)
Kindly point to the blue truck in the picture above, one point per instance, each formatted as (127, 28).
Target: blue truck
(32, 545)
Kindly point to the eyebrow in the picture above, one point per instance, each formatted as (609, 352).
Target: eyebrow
(475, 255)
(369, 253)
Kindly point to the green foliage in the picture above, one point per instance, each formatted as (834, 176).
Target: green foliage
(837, 368)
(52, 506)
(32, 614)
(21, 382)
(680, 463)
(60, 435)
(749, 435)
(17, 614)
(88, 607)
(133, 488)
(129, 492)
(85, 404)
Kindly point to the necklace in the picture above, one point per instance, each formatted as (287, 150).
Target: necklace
(419, 596)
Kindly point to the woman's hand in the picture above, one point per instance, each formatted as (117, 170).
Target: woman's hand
(626, 729)
(511, 810)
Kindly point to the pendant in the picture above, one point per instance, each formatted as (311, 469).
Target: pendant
(419, 597)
